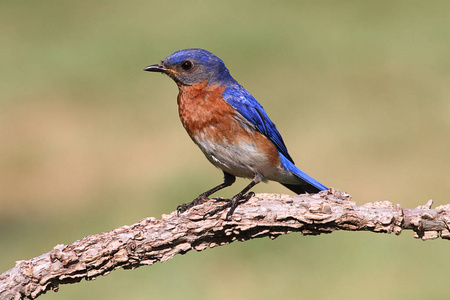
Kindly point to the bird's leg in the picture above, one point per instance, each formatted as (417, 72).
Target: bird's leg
(228, 180)
(241, 197)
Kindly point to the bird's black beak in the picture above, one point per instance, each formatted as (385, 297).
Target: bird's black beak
(159, 68)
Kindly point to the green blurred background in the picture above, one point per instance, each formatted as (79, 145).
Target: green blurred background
(89, 142)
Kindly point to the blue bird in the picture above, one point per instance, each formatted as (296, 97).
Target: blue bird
(231, 128)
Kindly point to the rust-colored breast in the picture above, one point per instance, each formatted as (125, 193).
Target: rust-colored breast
(202, 107)
(209, 119)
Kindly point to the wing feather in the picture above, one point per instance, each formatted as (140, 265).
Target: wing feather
(241, 100)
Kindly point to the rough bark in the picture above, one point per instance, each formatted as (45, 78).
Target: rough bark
(271, 215)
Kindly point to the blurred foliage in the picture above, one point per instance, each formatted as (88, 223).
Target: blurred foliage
(88, 142)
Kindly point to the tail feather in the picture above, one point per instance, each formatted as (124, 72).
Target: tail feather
(306, 184)
(302, 189)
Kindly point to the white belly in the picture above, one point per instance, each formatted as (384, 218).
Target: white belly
(243, 159)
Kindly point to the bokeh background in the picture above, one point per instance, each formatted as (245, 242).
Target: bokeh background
(89, 142)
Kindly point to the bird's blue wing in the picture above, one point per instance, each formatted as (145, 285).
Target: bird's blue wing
(241, 100)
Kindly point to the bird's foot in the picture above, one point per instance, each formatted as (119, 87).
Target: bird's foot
(230, 203)
(185, 206)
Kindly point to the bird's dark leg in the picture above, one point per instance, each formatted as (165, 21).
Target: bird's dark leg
(241, 197)
(228, 180)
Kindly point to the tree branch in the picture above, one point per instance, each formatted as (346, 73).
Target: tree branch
(271, 215)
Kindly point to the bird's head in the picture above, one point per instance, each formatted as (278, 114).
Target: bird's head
(193, 66)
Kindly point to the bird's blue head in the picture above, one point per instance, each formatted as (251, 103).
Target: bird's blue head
(193, 66)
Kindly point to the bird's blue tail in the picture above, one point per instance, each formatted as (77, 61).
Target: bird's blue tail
(307, 184)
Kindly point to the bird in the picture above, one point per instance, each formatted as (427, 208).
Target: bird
(230, 127)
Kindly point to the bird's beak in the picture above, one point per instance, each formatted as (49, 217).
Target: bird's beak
(159, 68)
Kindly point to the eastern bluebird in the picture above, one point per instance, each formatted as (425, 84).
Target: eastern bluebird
(230, 127)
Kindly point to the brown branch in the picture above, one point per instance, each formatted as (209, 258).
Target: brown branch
(271, 215)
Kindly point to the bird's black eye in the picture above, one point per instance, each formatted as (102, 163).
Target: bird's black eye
(186, 65)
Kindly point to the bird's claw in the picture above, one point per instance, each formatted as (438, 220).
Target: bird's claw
(185, 206)
(230, 203)
(182, 208)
